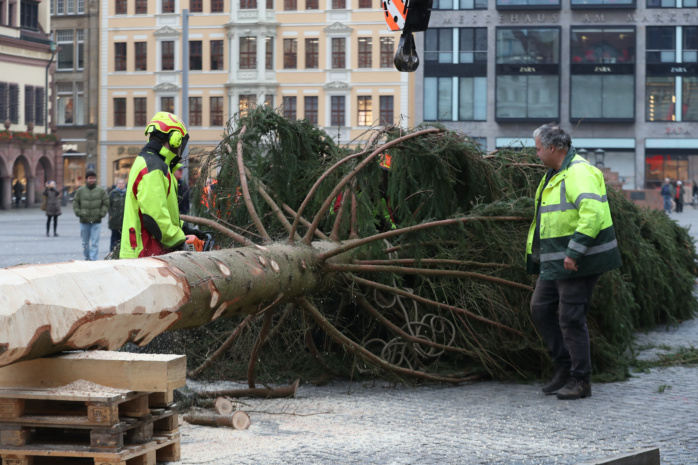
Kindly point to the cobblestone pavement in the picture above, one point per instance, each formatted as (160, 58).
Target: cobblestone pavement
(481, 423)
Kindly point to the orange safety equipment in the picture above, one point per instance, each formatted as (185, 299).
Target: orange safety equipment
(385, 161)
(395, 14)
(171, 128)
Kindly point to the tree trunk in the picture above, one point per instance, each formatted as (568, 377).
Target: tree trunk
(238, 420)
(46, 309)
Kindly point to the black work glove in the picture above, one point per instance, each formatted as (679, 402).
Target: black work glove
(188, 230)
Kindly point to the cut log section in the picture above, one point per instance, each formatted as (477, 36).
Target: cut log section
(238, 420)
(223, 406)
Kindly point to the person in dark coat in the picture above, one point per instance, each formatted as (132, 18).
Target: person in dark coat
(53, 206)
(90, 205)
(18, 190)
(117, 200)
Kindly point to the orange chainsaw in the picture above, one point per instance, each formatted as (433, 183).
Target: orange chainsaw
(194, 244)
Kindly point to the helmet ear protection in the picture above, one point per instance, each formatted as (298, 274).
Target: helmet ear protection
(175, 139)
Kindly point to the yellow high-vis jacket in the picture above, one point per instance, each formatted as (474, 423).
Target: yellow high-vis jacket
(573, 219)
(151, 213)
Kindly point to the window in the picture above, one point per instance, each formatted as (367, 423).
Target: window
(248, 4)
(248, 52)
(13, 106)
(217, 55)
(532, 4)
(216, 6)
(141, 53)
(216, 108)
(270, 4)
(311, 109)
(311, 4)
(64, 39)
(671, 93)
(459, 99)
(338, 53)
(29, 15)
(386, 109)
(269, 54)
(120, 56)
(337, 110)
(269, 100)
(365, 47)
(528, 74)
(196, 6)
(365, 116)
(167, 104)
(140, 111)
(462, 5)
(290, 53)
(671, 3)
(39, 106)
(455, 82)
(312, 53)
(247, 102)
(69, 104)
(81, 48)
(602, 82)
(580, 4)
(290, 5)
(290, 108)
(339, 4)
(167, 55)
(4, 101)
(661, 44)
(195, 111)
(141, 7)
(168, 6)
(120, 7)
(119, 112)
(28, 104)
(196, 55)
(387, 52)
(364, 3)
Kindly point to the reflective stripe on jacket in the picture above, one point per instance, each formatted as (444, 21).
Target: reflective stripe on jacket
(151, 213)
(575, 220)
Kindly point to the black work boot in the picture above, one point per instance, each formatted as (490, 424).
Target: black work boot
(562, 375)
(575, 389)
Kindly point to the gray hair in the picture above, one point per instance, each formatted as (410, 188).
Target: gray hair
(553, 136)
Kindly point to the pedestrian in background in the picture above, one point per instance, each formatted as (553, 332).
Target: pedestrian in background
(182, 192)
(570, 243)
(666, 195)
(53, 208)
(90, 205)
(117, 200)
(678, 196)
(18, 190)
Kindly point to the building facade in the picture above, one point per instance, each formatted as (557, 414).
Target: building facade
(329, 61)
(29, 153)
(620, 75)
(75, 25)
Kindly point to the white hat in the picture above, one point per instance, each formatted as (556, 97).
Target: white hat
(678, 182)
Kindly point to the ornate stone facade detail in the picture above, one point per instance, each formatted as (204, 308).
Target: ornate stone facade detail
(166, 31)
(336, 85)
(338, 28)
(166, 87)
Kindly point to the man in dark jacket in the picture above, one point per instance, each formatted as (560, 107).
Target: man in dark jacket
(117, 200)
(90, 205)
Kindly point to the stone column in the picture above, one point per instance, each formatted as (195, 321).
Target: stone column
(6, 187)
(30, 190)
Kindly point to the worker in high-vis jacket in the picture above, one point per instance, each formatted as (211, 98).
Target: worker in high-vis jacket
(570, 243)
(151, 213)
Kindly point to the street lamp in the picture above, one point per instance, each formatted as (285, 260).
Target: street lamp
(582, 153)
(52, 46)
(600, 154)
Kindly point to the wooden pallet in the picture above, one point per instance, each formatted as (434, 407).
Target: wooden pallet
(159, 449)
